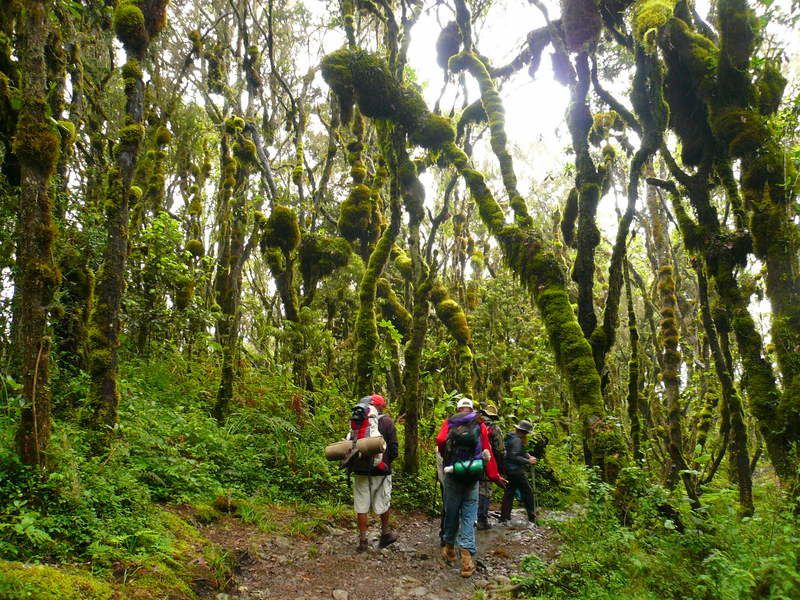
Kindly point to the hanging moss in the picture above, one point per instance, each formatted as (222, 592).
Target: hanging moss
(282, 230)
(448, 44)
(357, 217)
(129, 25)
(195, 248)
(582, 24)
(321, 255)
(473, 114)
(603, 124)
(434, 131)
(234, 125)
(769, 88)
(245, 152)
(163, 136)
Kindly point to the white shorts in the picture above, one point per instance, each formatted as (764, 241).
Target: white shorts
(372, 491)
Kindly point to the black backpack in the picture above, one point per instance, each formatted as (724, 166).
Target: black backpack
(462, 443)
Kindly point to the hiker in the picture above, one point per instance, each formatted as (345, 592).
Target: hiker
(517, 461)
(488, 415)
(372, 481)
(463, 442)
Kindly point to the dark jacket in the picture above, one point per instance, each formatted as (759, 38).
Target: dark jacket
(388, 430)
(517, 457)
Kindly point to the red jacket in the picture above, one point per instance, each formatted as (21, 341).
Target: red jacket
(491, 466)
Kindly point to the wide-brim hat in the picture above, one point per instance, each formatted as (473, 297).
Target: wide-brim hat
(525, 426)
(489, 410)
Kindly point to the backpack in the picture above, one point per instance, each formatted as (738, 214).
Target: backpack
(462, 451)
(498, 446)
(363, 424)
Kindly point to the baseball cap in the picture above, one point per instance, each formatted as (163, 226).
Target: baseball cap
(378, 401)
(465, 402)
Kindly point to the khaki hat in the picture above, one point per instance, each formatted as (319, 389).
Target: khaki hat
(525, 426)
(490, 410)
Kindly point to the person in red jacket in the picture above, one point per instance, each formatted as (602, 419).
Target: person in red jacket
(463, 442)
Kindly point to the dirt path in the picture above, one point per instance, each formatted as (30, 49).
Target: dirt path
(324, 565)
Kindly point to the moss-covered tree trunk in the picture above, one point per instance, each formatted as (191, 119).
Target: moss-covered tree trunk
(633, 373)
(732, 401)
(36, 146)
(669, 348)
(135, 25)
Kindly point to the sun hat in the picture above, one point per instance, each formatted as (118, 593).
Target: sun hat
(525, 426)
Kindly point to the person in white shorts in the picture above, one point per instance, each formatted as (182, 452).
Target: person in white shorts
(372, 481)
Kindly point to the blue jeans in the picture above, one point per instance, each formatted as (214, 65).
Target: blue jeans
(460, 511)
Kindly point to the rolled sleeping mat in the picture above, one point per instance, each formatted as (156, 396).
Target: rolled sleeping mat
(371, 446)
(338, 450)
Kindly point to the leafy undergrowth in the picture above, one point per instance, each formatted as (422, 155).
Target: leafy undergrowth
(662, 555)
(104, 516)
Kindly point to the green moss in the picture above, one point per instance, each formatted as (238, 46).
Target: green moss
(493, 106)
(403, 263)
(246, 152)
(738, 27)
(769, 87)
(131, 136)
(393, 309)
(602, 125)
(129, 25)
(698, 55)
(648, 17)
(37, 144)
(742, 131)
(434, 132)
(132, 69)
(44, 582)
(282, 230)
(234, 125)
(321, 255)
(358, 219)
(66, 130)
(184, 293)
(163, 136)
(195, 248)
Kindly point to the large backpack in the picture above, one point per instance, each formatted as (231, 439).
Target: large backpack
(363, 424)
(462, 451)
(498, 446)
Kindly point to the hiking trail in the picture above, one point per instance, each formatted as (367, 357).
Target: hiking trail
(323, 564)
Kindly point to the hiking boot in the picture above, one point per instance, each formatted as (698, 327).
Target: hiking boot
(363, 545)
(467, 565)
(387, 539)
(483, 524)
(449, 553)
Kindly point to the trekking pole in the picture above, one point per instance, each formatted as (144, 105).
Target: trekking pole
(532, 471)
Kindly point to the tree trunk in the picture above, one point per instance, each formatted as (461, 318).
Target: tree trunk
(36, 146)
